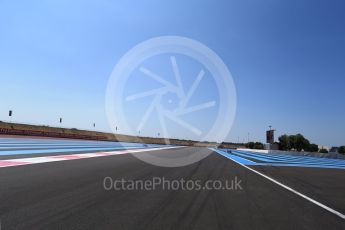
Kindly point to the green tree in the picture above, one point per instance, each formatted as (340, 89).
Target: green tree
(250, 145)
(341, 150)
(258, 145)
(323, 151)
(293, 141)
(284, 142)
(313, 148)
(297, 142)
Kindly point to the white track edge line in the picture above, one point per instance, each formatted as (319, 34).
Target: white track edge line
(288, 188)
(132, 151)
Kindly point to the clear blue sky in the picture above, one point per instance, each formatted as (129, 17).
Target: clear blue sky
(287, 59)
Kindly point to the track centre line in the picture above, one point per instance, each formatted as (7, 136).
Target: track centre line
(284, 186)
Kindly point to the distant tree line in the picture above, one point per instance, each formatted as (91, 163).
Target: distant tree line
(296, 142)
(254, 145)
(341, 150)
(323, 151)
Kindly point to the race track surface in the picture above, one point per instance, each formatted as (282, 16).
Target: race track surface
(71, 195)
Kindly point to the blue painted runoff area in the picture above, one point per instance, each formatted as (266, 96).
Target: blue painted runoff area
(16, 146)
(271, 159)
(234, 158)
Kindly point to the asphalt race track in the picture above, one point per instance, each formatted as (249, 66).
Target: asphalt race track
(70, 194)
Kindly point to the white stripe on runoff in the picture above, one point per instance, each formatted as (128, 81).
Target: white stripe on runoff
(46, 159)
(288, 188)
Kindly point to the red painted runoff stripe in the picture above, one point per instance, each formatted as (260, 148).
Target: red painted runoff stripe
(9, 163)
(46, 159)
